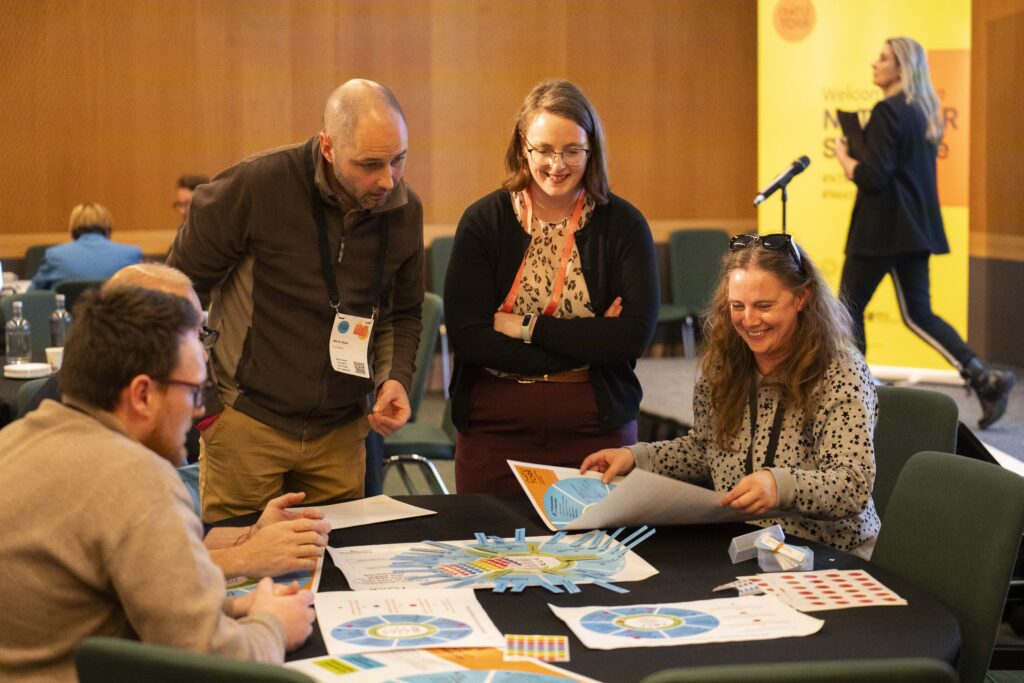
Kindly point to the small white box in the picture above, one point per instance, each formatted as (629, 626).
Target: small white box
(768, 561)
(743, 547)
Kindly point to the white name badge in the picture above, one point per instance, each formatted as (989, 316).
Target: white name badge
(350, 344)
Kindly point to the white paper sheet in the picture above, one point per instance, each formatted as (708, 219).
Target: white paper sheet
(363, 621)
(640, 497)
(370, 511)
(686, 623)
(533, 559)
(434, 666)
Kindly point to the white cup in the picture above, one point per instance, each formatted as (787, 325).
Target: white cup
(55, 357)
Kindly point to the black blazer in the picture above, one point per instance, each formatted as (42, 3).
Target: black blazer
(897, 206)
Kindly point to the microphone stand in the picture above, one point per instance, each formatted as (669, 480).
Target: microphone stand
(785, 198)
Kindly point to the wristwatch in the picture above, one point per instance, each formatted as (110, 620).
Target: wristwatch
(524, 331)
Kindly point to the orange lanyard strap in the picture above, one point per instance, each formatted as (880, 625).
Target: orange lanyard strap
(570, 242)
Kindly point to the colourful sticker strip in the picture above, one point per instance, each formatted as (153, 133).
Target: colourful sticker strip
(544, 648)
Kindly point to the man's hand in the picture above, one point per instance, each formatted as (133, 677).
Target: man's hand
(295, 611)
(281, 548)
(611, 461)
(755, 494)
(391, 410)
(277, 510)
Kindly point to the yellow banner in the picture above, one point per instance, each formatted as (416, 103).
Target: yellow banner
(814, 57)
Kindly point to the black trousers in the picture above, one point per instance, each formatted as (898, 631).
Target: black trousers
(860, 279)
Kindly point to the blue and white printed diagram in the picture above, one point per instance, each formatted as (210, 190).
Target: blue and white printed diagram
(566, 499)
(649, 622)
(391, 631)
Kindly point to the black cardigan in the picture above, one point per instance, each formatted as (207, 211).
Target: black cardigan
(897, 206)
(617, 257)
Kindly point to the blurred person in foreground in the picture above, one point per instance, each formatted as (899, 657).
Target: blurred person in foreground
(897, 225)
(784, 407)
(550, 296)
(100, 537)
(90, 255)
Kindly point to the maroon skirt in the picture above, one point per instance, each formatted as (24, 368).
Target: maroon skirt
(549, 423)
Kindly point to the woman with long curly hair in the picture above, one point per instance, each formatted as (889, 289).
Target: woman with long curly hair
(784, 408)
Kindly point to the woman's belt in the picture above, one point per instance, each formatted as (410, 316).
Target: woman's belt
(568, 377)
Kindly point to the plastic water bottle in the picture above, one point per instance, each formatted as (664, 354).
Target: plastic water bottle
(18, 337)
(60, 323)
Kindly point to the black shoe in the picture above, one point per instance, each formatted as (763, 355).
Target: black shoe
(993, 390)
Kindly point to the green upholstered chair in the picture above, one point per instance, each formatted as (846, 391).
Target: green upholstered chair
(909, 421)
(417, 444)
(100, 660)
(26, 392)
(36, 307)
(695, 261)
(72, 289)
(33, 258)
(910, 670)
(440, 254)
(432, 312)
(953, 527)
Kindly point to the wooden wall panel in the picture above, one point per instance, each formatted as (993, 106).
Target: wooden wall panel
(111, 100)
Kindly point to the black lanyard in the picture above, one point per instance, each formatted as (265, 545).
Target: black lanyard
(326, 270)
(773, 436)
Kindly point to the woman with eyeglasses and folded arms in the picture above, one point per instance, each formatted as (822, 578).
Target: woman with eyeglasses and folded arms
(784, 407)
(897, 225)
(550, 296)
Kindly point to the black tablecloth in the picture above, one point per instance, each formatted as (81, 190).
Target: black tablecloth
(691, 561)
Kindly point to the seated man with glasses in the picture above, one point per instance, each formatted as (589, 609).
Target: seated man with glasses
(100, 537)
(784, 408)
(280, 542)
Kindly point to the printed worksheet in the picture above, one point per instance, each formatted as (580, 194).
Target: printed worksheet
(565, 499)
(377, 621)
(462, 665)
(555, 562)
(686, 623)
(306, 578)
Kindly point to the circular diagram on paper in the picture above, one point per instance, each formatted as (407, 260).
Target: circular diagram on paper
(401, 630)
(492, 676)
(565, 500)
(649, 622)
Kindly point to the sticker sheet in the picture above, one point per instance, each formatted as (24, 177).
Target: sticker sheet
(826, 589)
(686, 623)
(462, 665)
(366, 621)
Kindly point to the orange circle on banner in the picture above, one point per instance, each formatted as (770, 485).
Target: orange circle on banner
(794, 19)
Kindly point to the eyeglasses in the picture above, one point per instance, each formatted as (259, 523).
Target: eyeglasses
(198, 390)
(208, 337)
(778, 241)
(574, 156)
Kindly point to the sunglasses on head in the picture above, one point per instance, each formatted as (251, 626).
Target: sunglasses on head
(778, 241)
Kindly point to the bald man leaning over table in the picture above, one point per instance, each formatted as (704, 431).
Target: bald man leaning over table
(313, 256)
(99, 535)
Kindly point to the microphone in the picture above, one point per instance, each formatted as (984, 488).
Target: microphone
(782, 179)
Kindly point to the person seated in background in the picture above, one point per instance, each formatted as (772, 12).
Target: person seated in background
(187, 185)
(90, 255)
(99, 535)
(784, 407)
(281, 541)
